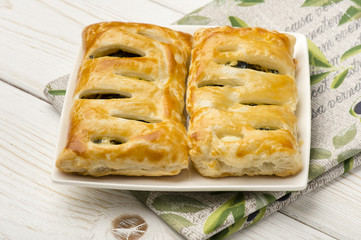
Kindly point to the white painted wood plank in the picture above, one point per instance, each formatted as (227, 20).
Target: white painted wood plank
(39, 39)
(334, 209)
(184, 6)
(279, 227)
(31, 206)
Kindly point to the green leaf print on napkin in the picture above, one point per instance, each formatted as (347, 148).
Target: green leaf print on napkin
(352, 13)
(229, 231)
(217, 3)
(358, 2)
(248, 3)
(253, 218)
(315, 171)
(236, 22)
(263, 199)
(347, 154)
(318, 60)
(348, 165)
(352, 51)
(57, 92)
(319, 3)
(320, 153)
(316, 57)
(355, 109)
(319, 77)
(177, 203)
(194, 20)
(344, 136)
(142, 195)
(259, 215)
(338, 80)
(176, 221)
(235, 205)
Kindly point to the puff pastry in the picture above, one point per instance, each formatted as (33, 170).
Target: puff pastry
(241, 97)
(127, 115)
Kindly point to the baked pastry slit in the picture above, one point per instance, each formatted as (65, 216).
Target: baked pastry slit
(103, 96)
(137, 118)
(135, 75)
(232, 82)
(154, 35)
(107, 140)
(266, 128)
(116, 52)
(258, 104)
(256, 67)
(252, 104)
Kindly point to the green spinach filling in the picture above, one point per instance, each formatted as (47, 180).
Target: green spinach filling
(245, 65)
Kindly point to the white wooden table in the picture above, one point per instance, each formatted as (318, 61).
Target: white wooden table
(38, 42)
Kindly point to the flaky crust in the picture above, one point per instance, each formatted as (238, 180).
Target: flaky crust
(141, 132)
(241, 119)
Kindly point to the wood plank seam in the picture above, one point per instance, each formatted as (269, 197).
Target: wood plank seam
(162, 5)
(24, 90)
(305, 223)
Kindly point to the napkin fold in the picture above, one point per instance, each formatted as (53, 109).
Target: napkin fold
(334, 43)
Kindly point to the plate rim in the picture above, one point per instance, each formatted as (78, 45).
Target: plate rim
(92, 182)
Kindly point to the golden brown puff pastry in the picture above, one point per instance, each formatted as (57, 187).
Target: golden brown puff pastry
(241, 97)
(127, 114)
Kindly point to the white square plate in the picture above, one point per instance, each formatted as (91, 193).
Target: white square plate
(190, 180)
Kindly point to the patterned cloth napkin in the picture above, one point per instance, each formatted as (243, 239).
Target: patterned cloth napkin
(333, 30)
